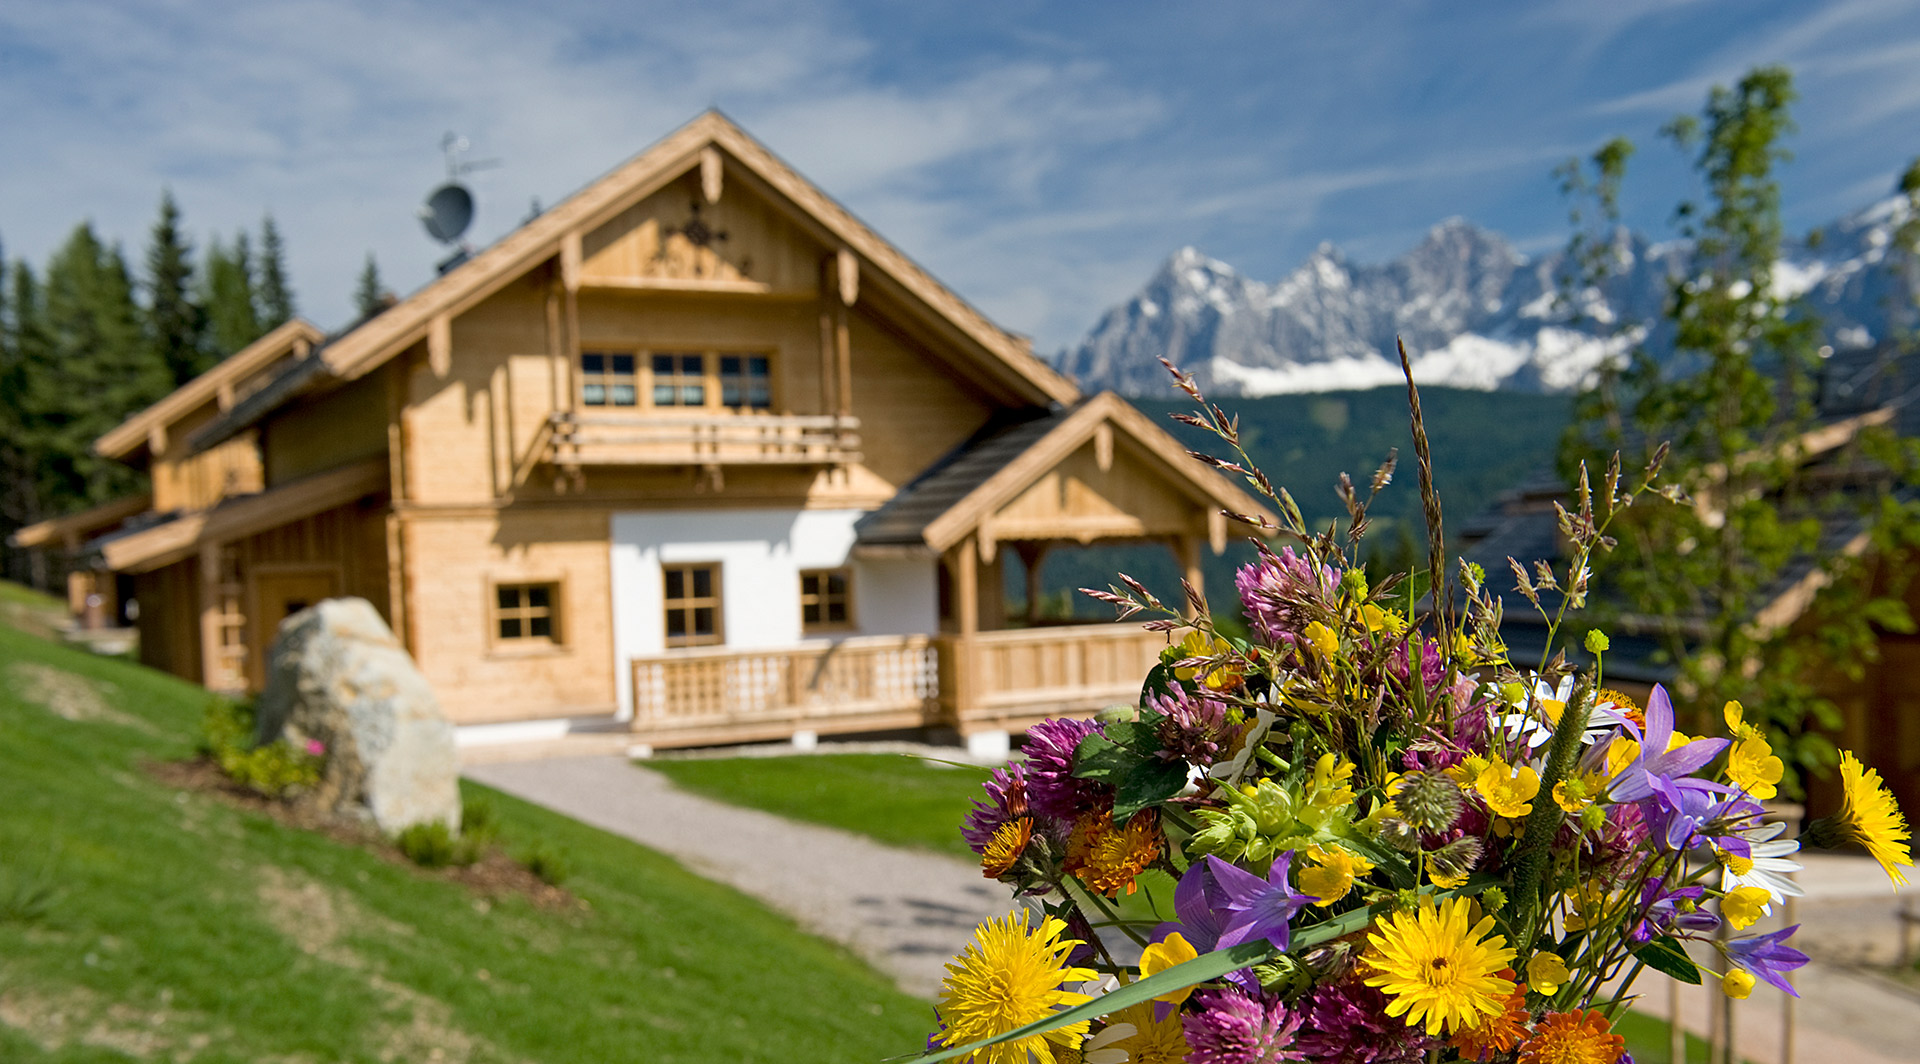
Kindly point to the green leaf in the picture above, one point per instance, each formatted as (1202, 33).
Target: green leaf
(1664, 955)
(1160, 678)
(1151, 782)
(1100, 758)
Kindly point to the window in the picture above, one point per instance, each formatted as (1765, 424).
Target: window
(607, 379)
(826, 599)
(746, 382)
(526, 613)
(679, 380)
(692, 594)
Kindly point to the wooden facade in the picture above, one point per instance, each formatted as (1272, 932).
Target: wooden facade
(646, 421)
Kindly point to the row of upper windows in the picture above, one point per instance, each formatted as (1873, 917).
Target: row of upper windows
(528, 614)
(679, 380)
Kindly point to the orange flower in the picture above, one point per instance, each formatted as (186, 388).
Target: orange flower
(1575, 1037)
(1006, 846)
(1107, 858)
(1498, 1033)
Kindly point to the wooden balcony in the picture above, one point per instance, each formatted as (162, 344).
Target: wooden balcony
(721, 695)
(988, 681)
(1011, 679)
(611, 439)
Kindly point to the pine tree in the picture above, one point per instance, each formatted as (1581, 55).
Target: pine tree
(98, 368)
(176, 324)
(369, 295)
(229, 292)
(276, 296)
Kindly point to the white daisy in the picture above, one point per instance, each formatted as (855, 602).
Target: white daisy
(1770, 870)
(1538, 712)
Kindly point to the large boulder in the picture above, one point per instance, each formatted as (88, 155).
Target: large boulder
(337, 675)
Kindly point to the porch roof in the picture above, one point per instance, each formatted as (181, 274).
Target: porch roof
(70, 529)
(961, 494)
(153, 546)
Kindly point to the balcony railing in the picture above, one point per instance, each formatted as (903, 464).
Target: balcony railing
(1009, 679)
(721, 695)
(597, 439)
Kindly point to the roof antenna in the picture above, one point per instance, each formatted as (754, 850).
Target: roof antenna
(448, 210)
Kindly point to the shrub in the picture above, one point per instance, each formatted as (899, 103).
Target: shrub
(272, 769)
(479, 822)
(434, 845)
(547, 863)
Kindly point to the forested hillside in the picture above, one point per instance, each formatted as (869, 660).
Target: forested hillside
(1483, 444)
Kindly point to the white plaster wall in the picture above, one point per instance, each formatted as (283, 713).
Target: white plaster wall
(761, 554)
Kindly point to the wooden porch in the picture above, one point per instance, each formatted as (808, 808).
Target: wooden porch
(1004, 680)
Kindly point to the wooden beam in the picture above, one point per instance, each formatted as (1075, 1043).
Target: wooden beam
(843, 357)
(710, 173)
(966, 588)
(1217, 531)
(847, 273)
(1186, 550)
(440, 345)
(212, 664)
(157, 439)
(1103, 446)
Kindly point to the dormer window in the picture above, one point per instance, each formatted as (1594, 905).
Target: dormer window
(680, 380)
(607, 379)
(713, 381)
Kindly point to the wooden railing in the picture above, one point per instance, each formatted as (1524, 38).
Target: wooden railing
(586, 439)
(1010, 679)
(719, 695)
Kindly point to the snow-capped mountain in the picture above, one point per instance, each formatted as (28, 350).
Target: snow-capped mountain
(1474, 313)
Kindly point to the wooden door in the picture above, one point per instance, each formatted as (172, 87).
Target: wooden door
(277, 596)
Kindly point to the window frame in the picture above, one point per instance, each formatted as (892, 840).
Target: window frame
(555, 639)
(716, 601)
(712, 382)
(608, 378)
(823, 625)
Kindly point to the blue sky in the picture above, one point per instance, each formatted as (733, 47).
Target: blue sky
(1042, 159)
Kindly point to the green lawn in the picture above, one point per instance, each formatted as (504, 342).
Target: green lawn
(897, 799)
(184, 928)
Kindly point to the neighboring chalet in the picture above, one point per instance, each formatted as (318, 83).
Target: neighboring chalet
(1881, 711)
(694, 450)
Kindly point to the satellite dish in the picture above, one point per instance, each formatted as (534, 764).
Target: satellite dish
(448, 212)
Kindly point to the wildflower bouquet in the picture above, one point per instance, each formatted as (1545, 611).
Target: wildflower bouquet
(1391, 842)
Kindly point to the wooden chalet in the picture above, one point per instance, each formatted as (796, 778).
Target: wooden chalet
(694, 451)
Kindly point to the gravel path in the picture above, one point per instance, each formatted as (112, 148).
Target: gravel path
(907, 913)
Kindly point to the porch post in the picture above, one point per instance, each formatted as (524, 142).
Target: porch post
(1032, 556)
(212, 661)
(1186, 551)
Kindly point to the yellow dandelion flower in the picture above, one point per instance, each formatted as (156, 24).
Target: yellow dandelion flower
(1508, 792)
(1869, 816)
(1332, 873)
(1498, 1033)
(1010, 975)
(1437, 970)
(1162, 1041)
(1009, 841)
(1575, 1037)
(1752, 767)
(1107, 858)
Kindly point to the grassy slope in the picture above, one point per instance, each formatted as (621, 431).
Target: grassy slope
(161, 917)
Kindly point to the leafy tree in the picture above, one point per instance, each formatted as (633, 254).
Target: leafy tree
(229, 292)
(276, 295)
(1735, 403)
(370, 297)
(176, 324)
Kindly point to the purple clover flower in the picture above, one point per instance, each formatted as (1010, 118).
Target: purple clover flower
(1232, 1026)
(1347, 1023)
(1006, 801)
(1192, 729)
(1052, 789)
(1768, 957)
(1274, 590)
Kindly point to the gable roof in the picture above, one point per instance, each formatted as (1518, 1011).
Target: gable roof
(542, 238)
(127, 437)
(1007, 456)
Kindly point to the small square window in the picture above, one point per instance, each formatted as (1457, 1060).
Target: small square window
(692, 604)
(526, 613)
(607, 379)
(679, 380)
(746, 382)
(826, 599)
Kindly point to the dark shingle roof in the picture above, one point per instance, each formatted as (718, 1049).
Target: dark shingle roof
(1007, 435)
